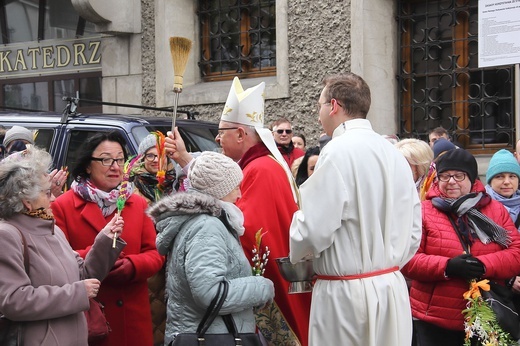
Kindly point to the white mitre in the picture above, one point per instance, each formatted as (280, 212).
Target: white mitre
(246, 107)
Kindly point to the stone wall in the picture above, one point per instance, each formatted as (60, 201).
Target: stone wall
(148, 54)
(319, 44)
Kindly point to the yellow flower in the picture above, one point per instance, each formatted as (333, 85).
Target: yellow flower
(474, 291)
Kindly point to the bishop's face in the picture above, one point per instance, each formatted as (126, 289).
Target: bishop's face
(227, 138)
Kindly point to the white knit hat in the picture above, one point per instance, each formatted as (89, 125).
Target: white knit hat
(18, 133)
(148, 142)
(214, 174)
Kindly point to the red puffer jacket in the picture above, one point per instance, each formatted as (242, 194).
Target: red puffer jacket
(437, 299)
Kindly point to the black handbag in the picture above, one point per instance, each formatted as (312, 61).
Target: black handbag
(11, 331)
(500, 299)
(230, 339)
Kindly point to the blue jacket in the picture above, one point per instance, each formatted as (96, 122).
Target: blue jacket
(201, 253)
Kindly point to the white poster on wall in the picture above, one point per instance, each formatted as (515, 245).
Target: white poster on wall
(498, 32)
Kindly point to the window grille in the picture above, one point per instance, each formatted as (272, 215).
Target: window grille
(238, 38)
(440, 82)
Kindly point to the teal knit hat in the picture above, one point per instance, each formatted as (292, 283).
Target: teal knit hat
(502, 162)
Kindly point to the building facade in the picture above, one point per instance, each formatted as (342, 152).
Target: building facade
(418, 57)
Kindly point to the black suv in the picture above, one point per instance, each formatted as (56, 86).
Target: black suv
(62, 136)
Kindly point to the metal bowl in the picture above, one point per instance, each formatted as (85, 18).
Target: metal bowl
(299, 274)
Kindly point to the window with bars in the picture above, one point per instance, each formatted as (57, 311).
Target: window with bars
(440, 82)
(35, 20)
(238, 38)
(46, 93)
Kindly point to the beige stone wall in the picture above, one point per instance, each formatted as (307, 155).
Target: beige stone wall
(314, 38)
(148, 54)
(318, 43)
(322, 37)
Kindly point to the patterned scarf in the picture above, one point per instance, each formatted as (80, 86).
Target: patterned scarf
(106, 201)
(470, 221)
(512, 204)
(147, 183)
(39, 213)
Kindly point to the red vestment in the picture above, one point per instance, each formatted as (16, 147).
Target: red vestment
(268, 204)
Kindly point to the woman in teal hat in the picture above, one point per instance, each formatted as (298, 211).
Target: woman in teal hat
(502, 179)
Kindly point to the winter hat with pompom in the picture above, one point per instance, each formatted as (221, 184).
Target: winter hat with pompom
(214, 174)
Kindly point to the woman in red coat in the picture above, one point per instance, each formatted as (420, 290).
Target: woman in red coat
(83, 210)
(440, 270)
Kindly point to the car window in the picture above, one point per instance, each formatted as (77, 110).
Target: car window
(203, 138)
(195, 138)
(43, 138)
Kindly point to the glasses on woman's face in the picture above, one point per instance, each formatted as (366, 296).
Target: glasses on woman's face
(151, 157)
(445, 177)
(108, 161)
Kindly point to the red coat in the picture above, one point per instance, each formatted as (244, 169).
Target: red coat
(126, 303)
(290, 153)
(267, 203)
(436, 299)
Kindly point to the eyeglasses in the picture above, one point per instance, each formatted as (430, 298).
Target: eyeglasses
(445, 177)
(151, 157)
(222, 129)
(108, 161)
(282, 131)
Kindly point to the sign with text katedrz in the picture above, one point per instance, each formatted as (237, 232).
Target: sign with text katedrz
(50, 57)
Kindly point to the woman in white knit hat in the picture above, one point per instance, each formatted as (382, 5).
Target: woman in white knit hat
(145, 179)
(147, 185)
(199, 230)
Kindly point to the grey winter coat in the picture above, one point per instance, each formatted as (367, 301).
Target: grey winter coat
(51, 300)
(201, 253)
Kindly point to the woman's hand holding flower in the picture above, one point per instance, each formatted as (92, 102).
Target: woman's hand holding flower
(115, 226)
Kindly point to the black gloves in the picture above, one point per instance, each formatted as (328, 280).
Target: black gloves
(465, 267)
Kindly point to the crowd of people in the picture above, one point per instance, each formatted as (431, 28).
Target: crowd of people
(395, 229)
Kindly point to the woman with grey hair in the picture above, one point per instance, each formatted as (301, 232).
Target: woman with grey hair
(48, 296)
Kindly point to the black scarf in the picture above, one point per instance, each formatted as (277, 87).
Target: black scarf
(148, 185)
(470, 221)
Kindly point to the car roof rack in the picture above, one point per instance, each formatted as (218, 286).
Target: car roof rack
(71, 108)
